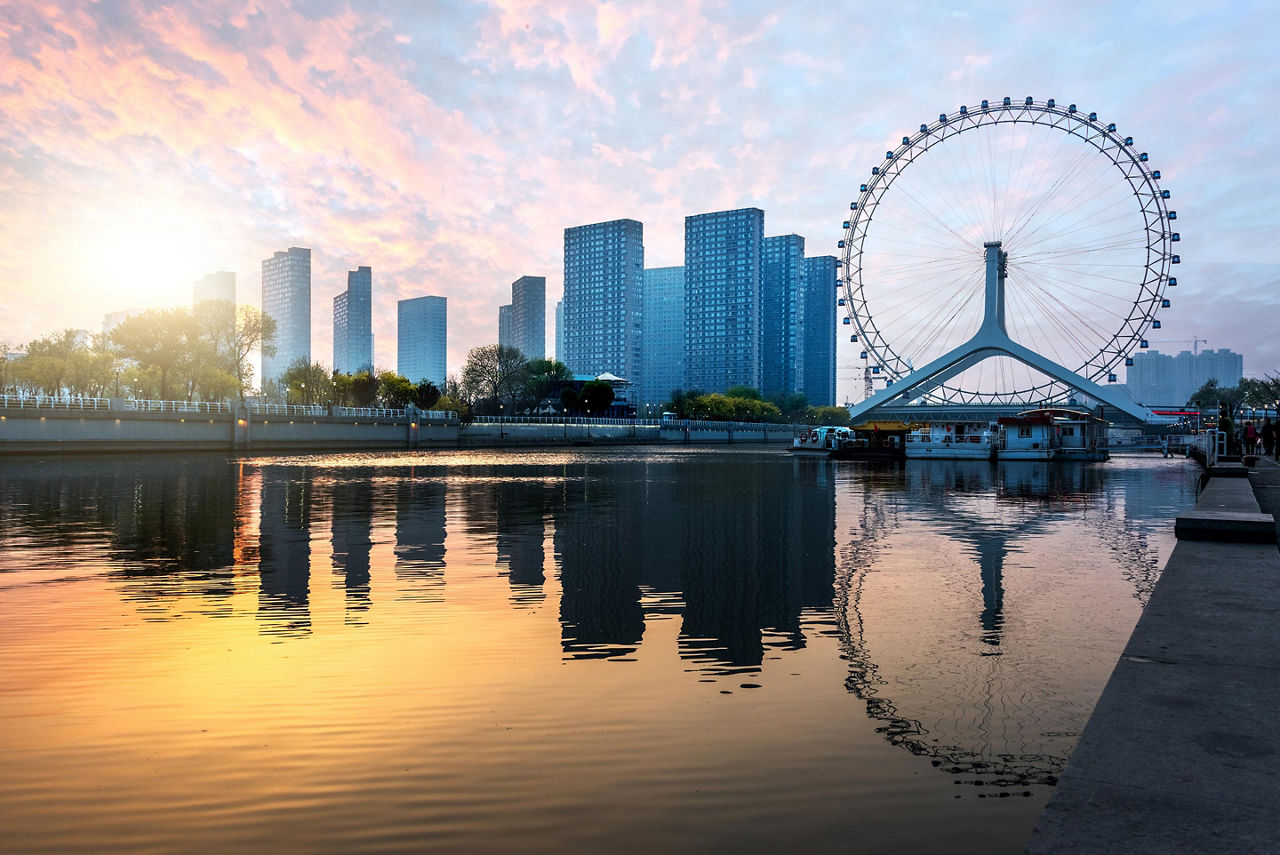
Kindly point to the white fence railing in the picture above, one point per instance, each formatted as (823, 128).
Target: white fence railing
(288, 410)
(370, 413)
(665, 424)
(177, 406)
(54, 402)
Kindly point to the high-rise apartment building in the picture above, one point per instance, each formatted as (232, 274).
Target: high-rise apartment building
(504, 326)
(604, 298)
(215, 286)
(353, 324)
(782, 319)
(819, 384)
(1158, 379)
(560, 330)
(663, 365)
(529, 316)
(421, 336)
(723, 285)
(286, 298)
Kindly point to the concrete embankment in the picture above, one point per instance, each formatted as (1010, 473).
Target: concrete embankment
(1181, 752)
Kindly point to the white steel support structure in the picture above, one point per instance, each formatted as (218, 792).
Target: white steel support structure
(992, 339)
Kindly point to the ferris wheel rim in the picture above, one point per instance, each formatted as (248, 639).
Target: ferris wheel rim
(1123, 155)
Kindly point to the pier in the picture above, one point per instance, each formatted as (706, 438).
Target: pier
(1180, 752)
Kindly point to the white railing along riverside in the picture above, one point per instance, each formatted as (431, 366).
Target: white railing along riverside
(370, 413)
(54, 402)
(177, 406)
(288, 410)
(666, 424)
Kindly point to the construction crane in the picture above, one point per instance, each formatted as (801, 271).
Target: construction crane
(1195, 343)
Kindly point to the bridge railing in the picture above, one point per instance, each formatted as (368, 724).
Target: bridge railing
(147, 406)
(54, 402)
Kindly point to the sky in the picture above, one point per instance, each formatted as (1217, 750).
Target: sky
(448, 145)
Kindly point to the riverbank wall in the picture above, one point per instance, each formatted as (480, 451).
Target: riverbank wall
(1180, 752)
(111, 426)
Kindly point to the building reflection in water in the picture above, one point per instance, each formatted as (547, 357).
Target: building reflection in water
(420, 536)
(285, 551)
(520, 508)
(351, 527)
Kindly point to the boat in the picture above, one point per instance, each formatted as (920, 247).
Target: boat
(1030, 436)
(860, 442)
(952, 441)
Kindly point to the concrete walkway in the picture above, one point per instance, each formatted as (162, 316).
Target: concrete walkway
(1182, 752)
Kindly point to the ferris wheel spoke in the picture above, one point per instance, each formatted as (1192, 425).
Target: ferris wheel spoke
(1031, 287)
(1068, 281)
(1038, 235)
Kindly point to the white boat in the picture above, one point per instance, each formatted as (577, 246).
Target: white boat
(951, 441)
(1027, 437)
(820, 441)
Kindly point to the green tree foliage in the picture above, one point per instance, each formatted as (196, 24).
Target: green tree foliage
(596, 397)
(236, 332)
(157, 341)
(569, 400)
(364, 389)
(394, 391)
(750, 393)
(543, 378)
(494, 371)
(448, 402)
(717, 407)
(425, 395)
(836, 416)
(793, 405)
(306, 383)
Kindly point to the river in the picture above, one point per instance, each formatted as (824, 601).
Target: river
(606, 649)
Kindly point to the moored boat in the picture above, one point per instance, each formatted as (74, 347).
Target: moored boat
(1030, 436)
(951, 441)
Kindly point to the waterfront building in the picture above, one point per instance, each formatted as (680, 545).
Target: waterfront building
(286, 298)
(560, 330)
(421, 335)
(662, 369)
(215, 286)
(1159, 379)
(819, 384)
(353, 324)
(529, 316)
(723, 287)
(604, 298)
(782, 318)
(504, 325)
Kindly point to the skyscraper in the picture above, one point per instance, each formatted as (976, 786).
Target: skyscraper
(820, 331)
(422, 326)
(529, 316)
(504, 326)
(560, 330)
(723, 283)
(1157, 379)
(782, 320)
(215, 286)
(353, 324)
(663, 366)
(603, 298)
(286, 297)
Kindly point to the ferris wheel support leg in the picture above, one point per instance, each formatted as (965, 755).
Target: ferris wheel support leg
(1117, 400)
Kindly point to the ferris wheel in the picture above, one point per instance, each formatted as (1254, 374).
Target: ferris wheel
(1087, 248)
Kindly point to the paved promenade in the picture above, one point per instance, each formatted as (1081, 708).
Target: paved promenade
(1182, 753)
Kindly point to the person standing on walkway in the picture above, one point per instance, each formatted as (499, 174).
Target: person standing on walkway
(1268, 434)
(1250, 437)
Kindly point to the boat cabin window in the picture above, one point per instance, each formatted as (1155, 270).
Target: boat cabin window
(1068, 431)
(1024, 433)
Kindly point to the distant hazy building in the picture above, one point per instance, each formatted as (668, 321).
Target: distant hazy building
(723, 282)
(663, 365)
(422, 327)
(819, 384)
(782, 319)
(111, 320)
(529, 316)
(504, 326)
(215, 286)
(560, 330)
(353, 324)
(603, 298)
(1157, 379)
(286, 298)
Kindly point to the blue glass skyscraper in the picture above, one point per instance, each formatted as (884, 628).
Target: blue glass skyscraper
(353, 324)
(663, 365)
(421, 335)
(603, 298)
(723, 286)
(820, 330)
(286, 298)
(782, 318)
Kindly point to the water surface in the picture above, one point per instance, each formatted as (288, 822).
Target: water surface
(624, 650)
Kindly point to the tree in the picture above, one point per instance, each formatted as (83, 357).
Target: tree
(47, 365)
(394, 391)
(569, 399)
(826, 416)
(158, 339)
(747, 392)
(425, 395)
(364, 389)
(494, 371)
(247, 331)
(596, 397)
(306, 383)
(1211, 396)
(448, 403)
(543, 377)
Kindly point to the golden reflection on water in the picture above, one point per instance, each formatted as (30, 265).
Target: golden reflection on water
(617, 649)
